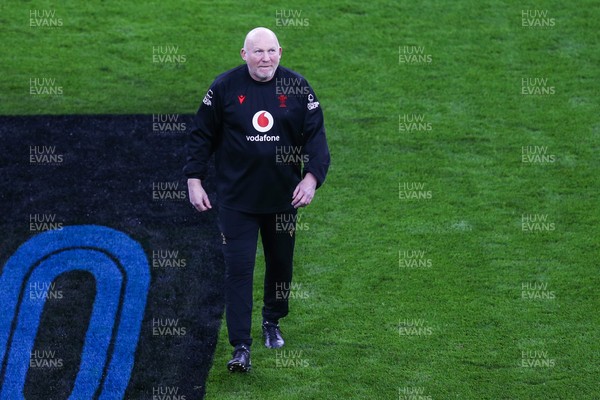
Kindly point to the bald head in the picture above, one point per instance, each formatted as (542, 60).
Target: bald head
(258, 34)
(262, 53)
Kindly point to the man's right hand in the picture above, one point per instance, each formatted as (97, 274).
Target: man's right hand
(198, 196)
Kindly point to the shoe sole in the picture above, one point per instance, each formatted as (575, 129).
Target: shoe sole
(274, 347)
(237, 367)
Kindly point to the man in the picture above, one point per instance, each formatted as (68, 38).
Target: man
(265, 126)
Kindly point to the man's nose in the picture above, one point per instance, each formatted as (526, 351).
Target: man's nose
(266, 56)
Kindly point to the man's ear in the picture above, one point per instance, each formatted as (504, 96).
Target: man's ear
(243, 54)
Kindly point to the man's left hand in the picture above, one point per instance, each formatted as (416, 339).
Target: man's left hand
(305, 191)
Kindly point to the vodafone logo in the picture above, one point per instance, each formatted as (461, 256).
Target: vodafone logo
(262, 121)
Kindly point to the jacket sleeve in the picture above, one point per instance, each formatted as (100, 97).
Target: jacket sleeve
(204, 136)
(315, 149)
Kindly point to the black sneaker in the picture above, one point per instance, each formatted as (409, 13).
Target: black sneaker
(272, 334)
(241, 359)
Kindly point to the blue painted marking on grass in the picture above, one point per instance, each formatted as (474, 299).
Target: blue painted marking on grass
(122, 276)
(108, 287)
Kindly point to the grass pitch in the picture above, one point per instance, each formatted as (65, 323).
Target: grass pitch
(454, 258)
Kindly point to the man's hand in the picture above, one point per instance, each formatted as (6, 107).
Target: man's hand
(305, 191)
(198, 196)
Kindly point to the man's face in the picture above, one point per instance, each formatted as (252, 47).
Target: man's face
(261, 53)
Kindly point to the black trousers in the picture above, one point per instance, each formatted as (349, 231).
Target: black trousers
(239, 232)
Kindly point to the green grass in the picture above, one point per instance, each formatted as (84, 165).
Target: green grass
(348, 259)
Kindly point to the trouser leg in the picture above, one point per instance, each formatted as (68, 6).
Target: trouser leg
(240, 235)
(278, 234)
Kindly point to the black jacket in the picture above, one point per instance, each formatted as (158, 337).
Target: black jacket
(265, 136)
